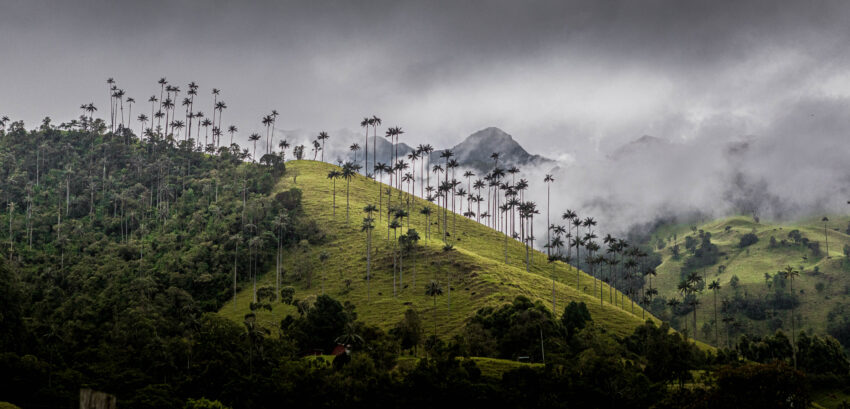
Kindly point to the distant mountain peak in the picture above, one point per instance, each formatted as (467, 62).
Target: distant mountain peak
(476, 149)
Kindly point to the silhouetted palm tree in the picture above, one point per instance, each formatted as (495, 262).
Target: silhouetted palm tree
(375, 122)
(433, 290)
(367, 226)
(789, 274)
(143, 119)
(232, 130)
(354, 148)
(365, 123)
(548, 180)
(323, 136)
(333, 175)
(254, 137)
(715, 287)
(348, 172)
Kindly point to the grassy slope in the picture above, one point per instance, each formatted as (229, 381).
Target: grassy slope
(479, 276)
(751, 263)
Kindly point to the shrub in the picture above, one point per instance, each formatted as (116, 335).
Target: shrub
(748, 240)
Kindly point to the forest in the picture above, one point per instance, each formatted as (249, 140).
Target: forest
(122, 248)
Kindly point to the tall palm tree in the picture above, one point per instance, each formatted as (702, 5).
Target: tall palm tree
(143, 119)
(215, 92)
(375, 122)
(348, 172)
(333, 175)
(316, 148)
(825, 220)
(548, 180)
(365, 123)
(91, 109)
(274, 116)
(283, 145)
(433, 290)
(232, 129)
(254, 137)
(367, 226)
(395, 225)
(789, 274)
(354, 148)
(715, 287)
(426, 211)
(323, 136)
(220, 106)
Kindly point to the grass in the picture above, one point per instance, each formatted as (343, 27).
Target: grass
(475, 267)
(830, 399)
(751, 263)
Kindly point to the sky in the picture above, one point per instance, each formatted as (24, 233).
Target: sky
(572, 80)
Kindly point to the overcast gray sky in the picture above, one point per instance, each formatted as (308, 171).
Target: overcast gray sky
(569, 79)
(576, 72)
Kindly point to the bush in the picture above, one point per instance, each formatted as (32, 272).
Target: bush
(748, 240)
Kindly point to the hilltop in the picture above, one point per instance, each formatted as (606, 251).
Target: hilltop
(475, 150)
(747, 255)
(475, 266)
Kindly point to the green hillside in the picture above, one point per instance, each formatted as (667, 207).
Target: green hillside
(475, 266)
(822, 286)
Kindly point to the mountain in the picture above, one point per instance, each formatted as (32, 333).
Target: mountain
(473, 273)
(476, 149)
(745, 255)
(646, 144)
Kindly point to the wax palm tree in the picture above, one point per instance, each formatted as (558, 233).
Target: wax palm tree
(715, 287)
(375, 122)
(143, 119)
(365, 123)
(220, 106)
(825, 220)
(153, 99)
(91, 109)
(283, 145)
(333, 175)
(323, 136)
(316, 148)
(254, 137)
(232, 129)
(348, 172)
(548, 180)
(789, 274)
(433, 289)
(354, 148)
(426, 211)
(274, 116)
(556, 243)
(367, 226)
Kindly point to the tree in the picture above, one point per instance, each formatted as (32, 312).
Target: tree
(375, 122)
(433, 290)
(333, 175)
(715, 287)
(254, 137)
(354, 148)
(232, 129)
(426, 211)
(323, 136)
(548, 180)
(367, 226)
(408, 331)
(348, 172)
(365, 123)
(789, 274)
(825, 220)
